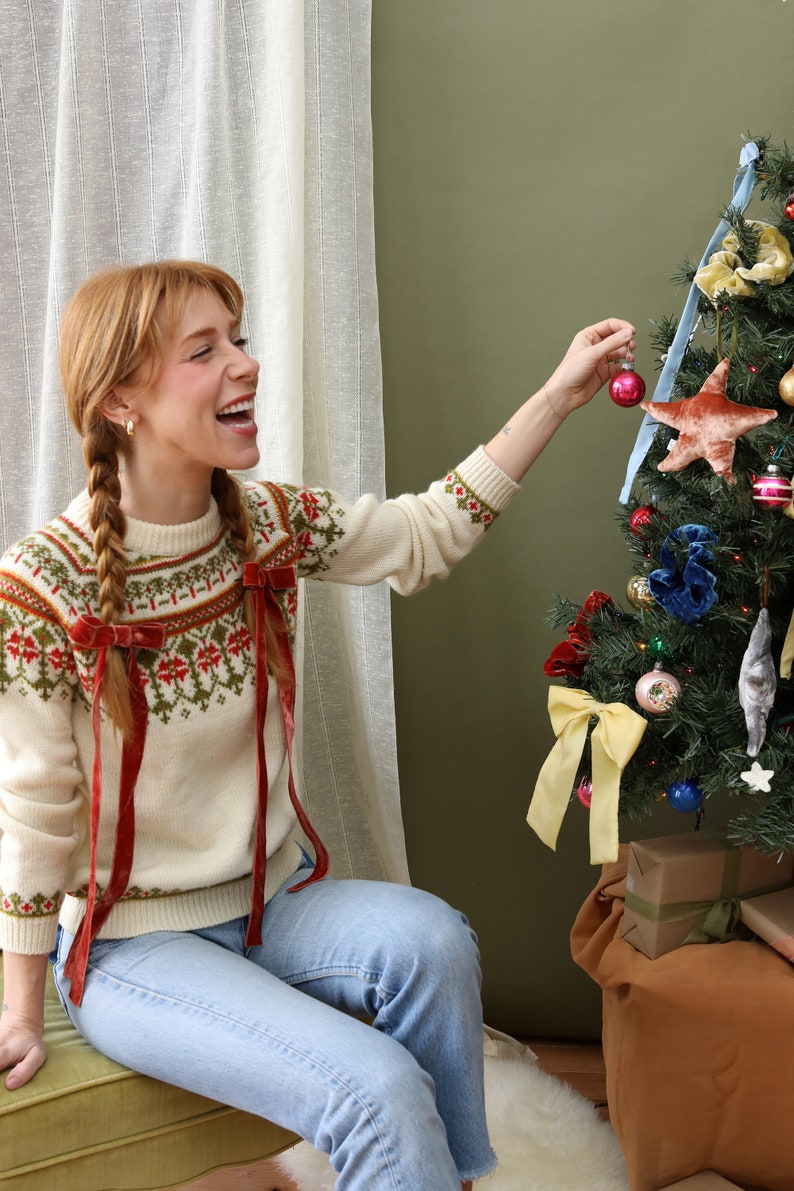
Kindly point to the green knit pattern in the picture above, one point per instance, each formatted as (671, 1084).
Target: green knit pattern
(208, 654)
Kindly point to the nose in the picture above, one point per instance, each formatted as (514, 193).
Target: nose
(244, 365)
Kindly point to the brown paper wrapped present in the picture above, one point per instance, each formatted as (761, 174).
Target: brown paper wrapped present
(698, 1047)
(772, 917)
(706, 1181)
(685, 889)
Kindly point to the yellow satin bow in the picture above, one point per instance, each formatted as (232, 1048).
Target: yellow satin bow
(612, 745)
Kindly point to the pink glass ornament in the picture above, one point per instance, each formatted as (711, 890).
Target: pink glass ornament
(584, 792)
(771, 490)
(627, 387)
(657, 690)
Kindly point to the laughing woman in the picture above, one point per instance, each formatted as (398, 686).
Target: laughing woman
(146, 667)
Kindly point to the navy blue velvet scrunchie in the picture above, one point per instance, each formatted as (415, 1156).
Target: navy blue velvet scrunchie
(687, 594)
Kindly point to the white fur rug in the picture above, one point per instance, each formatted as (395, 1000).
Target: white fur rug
(547, 1137)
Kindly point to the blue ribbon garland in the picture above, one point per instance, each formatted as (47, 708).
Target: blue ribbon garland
(743, 186)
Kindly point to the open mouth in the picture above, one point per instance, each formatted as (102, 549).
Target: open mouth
(238, 414)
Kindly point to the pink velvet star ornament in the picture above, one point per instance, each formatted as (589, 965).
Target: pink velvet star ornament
(708, 425)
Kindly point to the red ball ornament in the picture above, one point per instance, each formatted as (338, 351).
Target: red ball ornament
(641, 520)
(771, 490)
(788, 210)
(584, 792)
(627, 387)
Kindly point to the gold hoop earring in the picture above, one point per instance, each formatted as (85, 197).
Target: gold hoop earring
(130, 427)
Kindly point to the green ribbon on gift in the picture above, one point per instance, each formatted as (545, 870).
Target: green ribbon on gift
(718, 917)
(717, 920)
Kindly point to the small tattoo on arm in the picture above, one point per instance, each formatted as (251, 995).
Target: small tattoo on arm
(5, 1007)
(506, 430)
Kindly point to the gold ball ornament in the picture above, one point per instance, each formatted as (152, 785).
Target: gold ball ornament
(786, 387)
(638, 593)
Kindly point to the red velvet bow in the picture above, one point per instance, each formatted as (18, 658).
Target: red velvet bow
(569, 658)
(263, 582)
(90, 633)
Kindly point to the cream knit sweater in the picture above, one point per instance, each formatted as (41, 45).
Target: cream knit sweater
(195, 800)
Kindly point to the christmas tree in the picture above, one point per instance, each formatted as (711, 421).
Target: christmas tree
(695, 646)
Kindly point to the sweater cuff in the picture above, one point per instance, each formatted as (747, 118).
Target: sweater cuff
(493, 486)
(28, 936)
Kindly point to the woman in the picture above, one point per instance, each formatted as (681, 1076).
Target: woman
(151, 832)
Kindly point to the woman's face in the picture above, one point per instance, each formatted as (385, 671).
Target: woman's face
(198, 412)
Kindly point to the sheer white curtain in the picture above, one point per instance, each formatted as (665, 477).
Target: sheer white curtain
(235, 131)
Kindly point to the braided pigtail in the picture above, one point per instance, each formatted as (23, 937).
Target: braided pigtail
(108, 524)
(233, 513)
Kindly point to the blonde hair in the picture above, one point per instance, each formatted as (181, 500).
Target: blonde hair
(110, 335)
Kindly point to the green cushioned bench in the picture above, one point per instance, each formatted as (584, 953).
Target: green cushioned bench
(85, 1123)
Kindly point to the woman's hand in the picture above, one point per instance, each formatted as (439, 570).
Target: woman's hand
(585, 367)
(22, 1046)
(22, 1050)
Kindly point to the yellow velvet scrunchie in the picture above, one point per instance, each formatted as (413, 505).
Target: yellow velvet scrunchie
(726, 273)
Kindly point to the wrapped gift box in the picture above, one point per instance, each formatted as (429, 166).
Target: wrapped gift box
(772, 917)
(674, 882)
(707, 1181)
(698, 1050)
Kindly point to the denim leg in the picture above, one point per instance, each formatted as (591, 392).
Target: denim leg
(410, 963)
(191, 1009)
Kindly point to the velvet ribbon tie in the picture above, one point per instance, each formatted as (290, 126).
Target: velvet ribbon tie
(612, 745)
(90, 633)
(264, 582)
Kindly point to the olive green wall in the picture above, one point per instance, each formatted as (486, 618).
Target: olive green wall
(539, 164)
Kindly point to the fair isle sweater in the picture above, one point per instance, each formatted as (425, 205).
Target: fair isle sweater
(196, 796)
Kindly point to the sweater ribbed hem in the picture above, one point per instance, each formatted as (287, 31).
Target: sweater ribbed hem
(190, 910)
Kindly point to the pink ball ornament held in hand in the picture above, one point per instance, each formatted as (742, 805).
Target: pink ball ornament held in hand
(627, 387)
(584, 792)
(657, 690)
(771, 490)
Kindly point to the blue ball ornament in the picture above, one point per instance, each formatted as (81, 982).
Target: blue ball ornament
(685, 795)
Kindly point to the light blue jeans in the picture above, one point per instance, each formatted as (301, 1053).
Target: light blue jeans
(275, 1029)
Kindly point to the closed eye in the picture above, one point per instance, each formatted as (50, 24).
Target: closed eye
(203, 352)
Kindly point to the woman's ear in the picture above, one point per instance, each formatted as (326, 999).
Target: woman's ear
(118, 408)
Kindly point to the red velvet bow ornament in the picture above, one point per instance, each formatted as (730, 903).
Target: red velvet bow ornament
(569, 658)
(264, 582)
(90, 633)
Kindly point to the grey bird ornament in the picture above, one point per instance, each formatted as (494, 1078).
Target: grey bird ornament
(757, 683)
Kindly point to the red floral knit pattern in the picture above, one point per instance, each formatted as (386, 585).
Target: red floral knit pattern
(468, 500)
(38, 906)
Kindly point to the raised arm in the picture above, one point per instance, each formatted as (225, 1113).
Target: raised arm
(579, 376)
(22, 1046)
